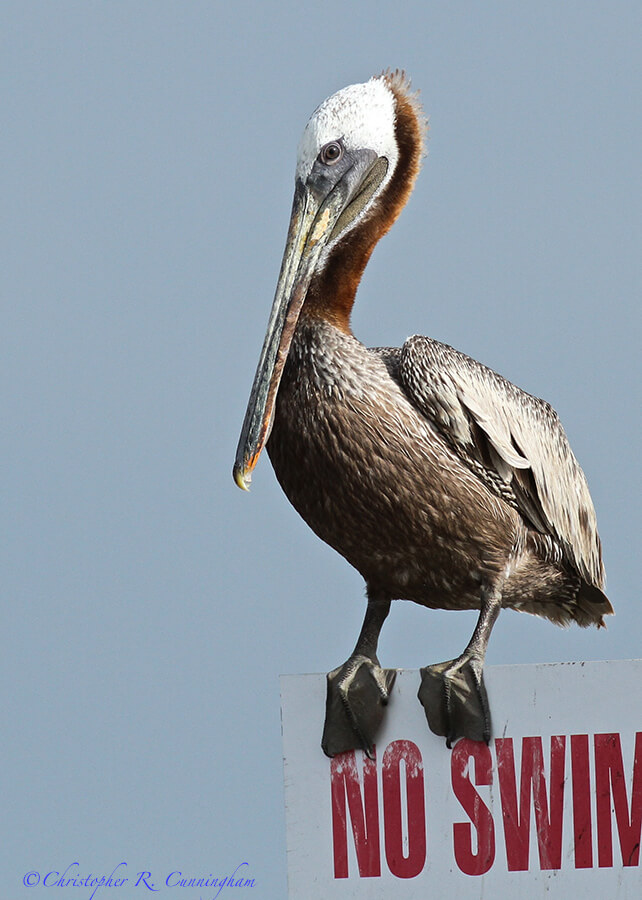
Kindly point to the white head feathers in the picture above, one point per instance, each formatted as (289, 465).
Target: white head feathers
(362, 115)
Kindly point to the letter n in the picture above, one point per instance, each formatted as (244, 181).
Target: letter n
(364, 814)
(517, 823)
(480, 816)
(610, 782)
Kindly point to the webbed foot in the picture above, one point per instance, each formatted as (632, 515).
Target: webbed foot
(454, 699)
(358, 691)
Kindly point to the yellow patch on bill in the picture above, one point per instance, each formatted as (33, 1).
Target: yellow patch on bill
(321, 226)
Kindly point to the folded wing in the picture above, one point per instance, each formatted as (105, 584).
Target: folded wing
(514, 442)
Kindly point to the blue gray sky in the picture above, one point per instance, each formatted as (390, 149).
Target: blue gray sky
(149, 152)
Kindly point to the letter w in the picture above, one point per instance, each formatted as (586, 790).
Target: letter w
(517, 823)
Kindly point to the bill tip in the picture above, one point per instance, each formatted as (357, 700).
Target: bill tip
(242, 478)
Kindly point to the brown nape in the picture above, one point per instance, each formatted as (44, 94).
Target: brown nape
(331, 293)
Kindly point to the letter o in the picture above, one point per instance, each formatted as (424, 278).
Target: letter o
(400, 865)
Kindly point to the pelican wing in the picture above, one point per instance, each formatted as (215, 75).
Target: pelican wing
(513, 441)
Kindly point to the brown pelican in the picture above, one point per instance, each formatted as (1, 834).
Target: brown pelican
(440, 481)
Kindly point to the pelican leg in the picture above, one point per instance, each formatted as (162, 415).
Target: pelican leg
(358, 690)
(453, 693)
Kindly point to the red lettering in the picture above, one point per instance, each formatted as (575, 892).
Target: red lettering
(354, 795)
(364, 814)
(410, 865)
(469, 862)
(581, 780)
(610, 783)
(517, 823)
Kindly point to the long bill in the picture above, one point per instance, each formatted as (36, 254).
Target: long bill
(311, 223)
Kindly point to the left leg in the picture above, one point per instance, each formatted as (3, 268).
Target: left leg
(453, 693)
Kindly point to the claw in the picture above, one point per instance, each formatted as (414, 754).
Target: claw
(358, 691)
(455, 701)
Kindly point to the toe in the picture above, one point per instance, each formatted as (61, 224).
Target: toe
(455, 701)
(356, 697)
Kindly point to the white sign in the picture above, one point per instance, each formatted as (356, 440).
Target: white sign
(553, 806)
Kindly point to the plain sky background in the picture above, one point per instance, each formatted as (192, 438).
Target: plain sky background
(147, 174)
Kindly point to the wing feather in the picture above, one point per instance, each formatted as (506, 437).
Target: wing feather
(511, 439)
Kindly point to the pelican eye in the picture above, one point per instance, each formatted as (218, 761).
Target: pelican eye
(331, 153)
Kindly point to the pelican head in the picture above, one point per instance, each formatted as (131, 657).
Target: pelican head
(357, 144)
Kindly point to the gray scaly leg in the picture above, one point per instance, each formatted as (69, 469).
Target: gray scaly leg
(453, 693)
(359, 690)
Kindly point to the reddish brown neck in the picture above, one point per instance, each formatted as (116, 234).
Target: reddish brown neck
(332, 291)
